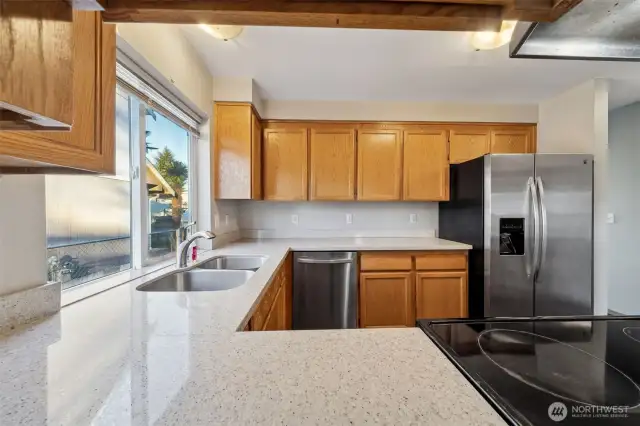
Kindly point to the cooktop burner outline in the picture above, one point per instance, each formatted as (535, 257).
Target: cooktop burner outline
(540, 388)
(627, 332)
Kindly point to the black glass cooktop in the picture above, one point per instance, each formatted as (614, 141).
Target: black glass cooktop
(549, 371)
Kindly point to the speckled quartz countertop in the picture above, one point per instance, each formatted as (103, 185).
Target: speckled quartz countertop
(125, 357)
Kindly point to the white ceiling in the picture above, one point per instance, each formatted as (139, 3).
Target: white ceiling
(291, 63)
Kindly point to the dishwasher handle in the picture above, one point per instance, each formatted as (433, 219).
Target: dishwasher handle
(323, 261)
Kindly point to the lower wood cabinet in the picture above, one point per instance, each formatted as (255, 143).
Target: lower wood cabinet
(441, 294)
(430, 285)
(275, 309)
(386, 299)
(276, 320)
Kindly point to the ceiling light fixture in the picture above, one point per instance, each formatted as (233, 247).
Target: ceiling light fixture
(222, 32)
(488, 40)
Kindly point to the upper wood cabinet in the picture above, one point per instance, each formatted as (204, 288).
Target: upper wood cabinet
(332, 164)
(386, 299)
(467, 143)
(89, 146)
(379, 165)
(36, 65)
(426, 165)
(256, 156)
(512, 140)
(441, 294)
(285, 164)
(236, 152)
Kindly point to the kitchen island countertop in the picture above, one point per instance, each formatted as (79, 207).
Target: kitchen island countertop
(125, 357)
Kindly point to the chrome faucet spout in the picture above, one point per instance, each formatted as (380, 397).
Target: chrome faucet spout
(183, 249)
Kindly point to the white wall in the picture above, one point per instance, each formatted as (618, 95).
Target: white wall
(167, 50)
(268, 219)
(399, 111)
(624, 173)
(576, 121)
(23, 243)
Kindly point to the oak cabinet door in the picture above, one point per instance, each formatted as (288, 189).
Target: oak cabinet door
(332, 164)
(467, 143)
(511, 141)
(232, 151)
(90, 144)
(441, 294)
(379, 165)
(425, 165)
(36, 65)
(256, 157)
(285, 164)
(386, 299)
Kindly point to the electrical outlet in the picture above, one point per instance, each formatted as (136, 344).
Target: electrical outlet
(349, 218)
(611, 218)
(294, 219)
(413, 218)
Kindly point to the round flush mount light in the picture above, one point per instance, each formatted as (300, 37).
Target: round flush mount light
(488, 40)
(222, 32)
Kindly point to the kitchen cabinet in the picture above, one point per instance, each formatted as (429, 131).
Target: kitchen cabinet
(425, 170)
(285, 164)
(398, 287)
(379, 165)
(89, 145)
(37, 65)
(274, 310)
(332, 164)
(276, 320)
(236, 154)
(441, 294)
(514, 140)
(468, 142)
(386, 299)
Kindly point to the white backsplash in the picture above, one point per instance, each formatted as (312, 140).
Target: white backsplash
(268, 219)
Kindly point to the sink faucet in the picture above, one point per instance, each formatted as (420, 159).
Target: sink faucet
(183, 248)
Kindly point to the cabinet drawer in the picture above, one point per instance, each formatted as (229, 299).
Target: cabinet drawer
(441, 262)
(385, 262)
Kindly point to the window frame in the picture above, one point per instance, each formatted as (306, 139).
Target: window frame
(139, 203)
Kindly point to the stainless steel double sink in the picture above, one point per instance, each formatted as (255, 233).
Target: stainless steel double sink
(216, 274)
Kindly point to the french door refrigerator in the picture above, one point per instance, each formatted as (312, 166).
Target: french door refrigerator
(529, 218)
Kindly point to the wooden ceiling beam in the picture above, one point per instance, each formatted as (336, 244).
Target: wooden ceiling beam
(445, 15)
(337, 14)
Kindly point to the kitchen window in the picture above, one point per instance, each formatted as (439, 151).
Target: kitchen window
(100, 226)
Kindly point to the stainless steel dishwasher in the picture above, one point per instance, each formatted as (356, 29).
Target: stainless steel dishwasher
(325, 290)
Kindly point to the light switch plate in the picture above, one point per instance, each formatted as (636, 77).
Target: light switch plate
(349, 218)
(611, 218)
(413, 218)
(294, 219)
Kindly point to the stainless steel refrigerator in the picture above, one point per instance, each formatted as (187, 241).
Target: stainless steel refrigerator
(529, 218)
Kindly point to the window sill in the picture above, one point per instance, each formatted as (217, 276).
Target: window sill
(91, 288)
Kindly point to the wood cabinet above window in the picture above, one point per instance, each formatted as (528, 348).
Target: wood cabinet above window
(89, 145)
(36, 65)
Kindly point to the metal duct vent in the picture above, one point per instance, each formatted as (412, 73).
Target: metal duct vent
(598, 30)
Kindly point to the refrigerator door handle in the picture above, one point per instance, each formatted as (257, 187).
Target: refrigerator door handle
(528, 200)
(543, 214)
(536, 226)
